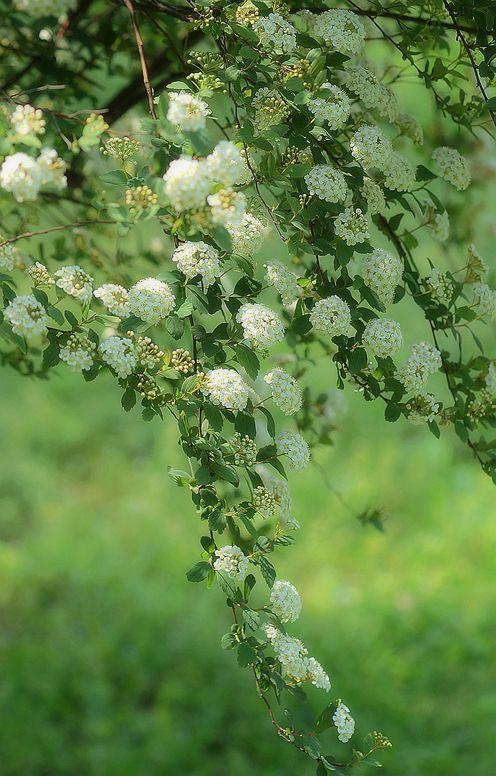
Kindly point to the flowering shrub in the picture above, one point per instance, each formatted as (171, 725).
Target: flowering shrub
(272, 120)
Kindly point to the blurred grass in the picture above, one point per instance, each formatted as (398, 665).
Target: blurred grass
(111, 659)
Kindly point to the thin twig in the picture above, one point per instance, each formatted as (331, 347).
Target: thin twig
(144, 69)
(401, 17)
(26, 235)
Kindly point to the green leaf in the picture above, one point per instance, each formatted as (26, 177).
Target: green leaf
(128, 399)
(358, 360)
(199, 572)
(185, 309)
(392, 413)
(175, 326)
(248, 359)
(246, 655)
(114, 177)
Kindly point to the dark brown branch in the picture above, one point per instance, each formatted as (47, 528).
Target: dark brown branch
(144, 68)
(25, 235)
(401, 17)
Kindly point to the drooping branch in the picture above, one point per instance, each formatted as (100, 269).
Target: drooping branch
(407, 18)
(144, 67)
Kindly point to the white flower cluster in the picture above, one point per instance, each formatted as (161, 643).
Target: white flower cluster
(285, 601)
(45, 7)
(232, 561)
(226, 164)
(414, 373)
(283, 280)
(118, 353)
(269, 108)
(244, 450)
(75, 281)
(280, 491)
(285, 391)
(452, 166)
(382, 272)
(186, 184)
(422, 409)
(227, 207)
(365, 85)
(275, 33)
(327, 183)
(333, 108)
(343, 30)
(374, 196)
(374, 150)
(151, 300)
(39, 274)
(24, 176)
(198, 258)
(440, 286)
(352, 226)
(438, 223)
(265, 502)
(114, 298)
(7, 256)
(292, 445)
(295, 663)
(400, 174)
(187, 112)
(52, 169)
(331, 316)
(247, 236)
(484, 300)
(490, 380)
(27, 120)
(27, 317)
(78, 352)
(410, 127)
(344, 722)
(262, 328)
(382, 337)
(227, 388)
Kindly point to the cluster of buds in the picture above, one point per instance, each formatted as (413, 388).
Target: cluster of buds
(95, 124)
(121, 148)
(208, 81)
(247, 13)
(482, 406)
(380, 741)
(244, 450)
(148, 388)
(204, 19)
(297, 69)
(39, 274)
(140, 198)
(181, 361)
(208, 61)
(265, 502)
(147, 352)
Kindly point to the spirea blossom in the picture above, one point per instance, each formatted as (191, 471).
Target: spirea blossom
(269, 108)
(226, 164)
(227, 207)
(7, 256)
(438, 223)
(326, 182)
(151, 300)
(187, 112)
(371, 147)
(344, 722)
(352, 226)
(247, 236)
(52, 169)
(317, 675)
(27, 317)
(232, 561)
(422, 409)
(283, 280)
(410, 127)
(227, 388)
(382, 337)
(343, 30)
(39, 274)
(452, 166)
(441, 286)
(382, 272)
(198, 258)
(415, 371)
(118, 353)
(45, 7)
(78, 352)
(331, 316)
(265, 502)
(333, 107)
(21, 176)
(262, 328)
(115, 298)
(374, 196)
(244, 450)
(280, 490)
(186, 183)
(363, 83)
(490, 380)
(285, 601)
(75, 281)
(276, 33)
(295, 449)
(484, 300)
(27, 120)
(295, 662)
(399, 173)
(286, 393)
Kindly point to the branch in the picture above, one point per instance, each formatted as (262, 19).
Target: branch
(144, 69)
(401, 17)
(25, 235)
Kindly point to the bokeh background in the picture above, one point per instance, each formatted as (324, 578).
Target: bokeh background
(111, 661)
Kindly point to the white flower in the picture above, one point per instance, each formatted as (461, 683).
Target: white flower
(317, 675)
(7, 256)
(118, 353)
(333, 107)
(275, 33)
(247, 236)
(78, 352)
(45, 7)
(186, 183)
(371, 147)
(232, 561)
(452, 166)
(491, 378)
(75, 281)
(382, 337)
(429, 354)
(244, 450)
(226, 164)
(344, 722)
(440, 286)
(151, 300)
(283, 280)
(484, 299)
(227, 206)
(292, 445)
(343, 30)
(352, 226)
(27, 317)
(52, 169)
(21, 176)
(269, 108)
(265, 502)
(382, 272)
(198, 258)
(438, 223)
(293, 657)
(387, 105)
(399, 173)
(415, 371)
(374, 196)
(262, 328)
(410, 127)
(422, 409)
(280, 490)
(285, 601)
(285, 391)
(331, 316)
(115, 298)
(27, 120)
(39, 274)
(364, 84)
(227, 388)
(327, 183)
(187, 112)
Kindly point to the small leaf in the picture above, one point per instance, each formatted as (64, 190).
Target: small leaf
(199, 572)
